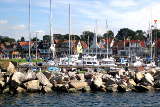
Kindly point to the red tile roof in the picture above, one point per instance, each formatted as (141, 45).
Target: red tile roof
(120, 44)
(26, 43)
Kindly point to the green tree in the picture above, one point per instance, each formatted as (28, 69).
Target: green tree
(140, 35)
(22, 39)
(87, 35)
(75, 37)
(126, 33)
(109, 34)
(6, 39)
(155, 34)
(34, 39)
(47, 38)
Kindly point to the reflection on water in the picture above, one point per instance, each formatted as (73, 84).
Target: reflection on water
(99, 99)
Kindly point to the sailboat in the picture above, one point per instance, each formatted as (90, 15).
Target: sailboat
(69, 59)
(52, 47)
(109, 61)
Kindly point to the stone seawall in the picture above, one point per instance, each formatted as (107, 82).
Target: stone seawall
(24, 80)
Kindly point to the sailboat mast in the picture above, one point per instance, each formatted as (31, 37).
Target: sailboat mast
(151, 31)
(107, 37)
(88, 45)
(69, 30)
(29, 28)
(50, 21)
(151, 42)
(96, 37)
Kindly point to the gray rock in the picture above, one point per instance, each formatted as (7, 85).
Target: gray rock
(47, 89)
(33, 86)
(72, 90)
(142, 88)
(17, 79)
(8, 67)
(78, 84)
(30, 76)
(21, 90)
(6, 90)
(47, 74)
(98, 82)
(139, 76)
(72, 75)
(112, 88)
(149, 78)
(80, 77)
(86, 89)
(157, 75)
(157, 84)
(110, 81)
(88, 75)
(43, 80)
(105, 77)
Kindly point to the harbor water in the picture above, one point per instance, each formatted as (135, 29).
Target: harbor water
(129, 99)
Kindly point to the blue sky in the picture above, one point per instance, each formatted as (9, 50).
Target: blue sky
(135, 14)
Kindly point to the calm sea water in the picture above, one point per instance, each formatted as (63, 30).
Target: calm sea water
(99, 99)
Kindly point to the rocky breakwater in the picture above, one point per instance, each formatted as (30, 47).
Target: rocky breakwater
(13, 81)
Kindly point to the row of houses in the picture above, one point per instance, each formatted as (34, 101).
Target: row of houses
(116, 48)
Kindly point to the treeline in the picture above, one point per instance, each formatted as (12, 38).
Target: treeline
(123, 34)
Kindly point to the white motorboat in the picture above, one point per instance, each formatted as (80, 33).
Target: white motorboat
(72, 60)
(90, 60)
(138, 62)
(110, 62)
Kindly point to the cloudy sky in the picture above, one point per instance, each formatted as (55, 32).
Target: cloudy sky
(134, 14)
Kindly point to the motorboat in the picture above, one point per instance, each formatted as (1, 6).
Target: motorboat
(90, 60)
(70, 60)
(110, 62)
(138, 62)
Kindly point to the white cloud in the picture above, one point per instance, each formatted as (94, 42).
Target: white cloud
(123, 3)
(18, 27)
(3, 21)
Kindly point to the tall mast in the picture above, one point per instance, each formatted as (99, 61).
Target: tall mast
(29, 28)
(88, 45)
(69, 30)
(107, 37)
(50, 21)
(155, 48)
(96, 37)
(151, 32)
(151, 42)
(51, 34)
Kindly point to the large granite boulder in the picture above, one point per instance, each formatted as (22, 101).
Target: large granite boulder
(157, 75)
(43, 80)
(142, 88)
(80, 77)
(149, 78)
(89, 75)
(30, 76)
(112, 88)
(139, 76)
(21, 90)
(33, 86)
(8, 67)
(72, 75)
(78, 84)
(17, 79)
